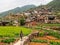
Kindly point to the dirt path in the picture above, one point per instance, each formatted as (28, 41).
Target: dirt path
(21, 42)
(34, 43)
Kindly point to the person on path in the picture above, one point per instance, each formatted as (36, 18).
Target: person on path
(21, 35)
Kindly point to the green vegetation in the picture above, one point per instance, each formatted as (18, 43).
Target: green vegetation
(50, 32)
(53, 33)
(40, 41)
(55, 5)
(22, 21)
(54, 43)
(8, 40)
(11, 31)
(45, 41)
(50, 25)
(41, 34)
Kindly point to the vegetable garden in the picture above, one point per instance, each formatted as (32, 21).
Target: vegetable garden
(10, 34)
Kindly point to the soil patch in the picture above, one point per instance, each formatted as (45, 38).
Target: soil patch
(46, 38)
(34, 43)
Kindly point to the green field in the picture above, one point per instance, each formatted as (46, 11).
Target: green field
(11, 31)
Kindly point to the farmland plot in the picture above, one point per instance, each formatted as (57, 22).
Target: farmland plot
(10, 33)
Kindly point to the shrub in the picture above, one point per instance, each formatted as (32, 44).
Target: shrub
(22, 21)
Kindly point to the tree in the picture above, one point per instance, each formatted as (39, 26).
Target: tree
(22, 21)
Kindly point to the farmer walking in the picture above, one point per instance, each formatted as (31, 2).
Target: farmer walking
(21, 35)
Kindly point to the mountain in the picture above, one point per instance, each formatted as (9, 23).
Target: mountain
(24, 8)
(10, 11)
(17, 9)
(54, 5)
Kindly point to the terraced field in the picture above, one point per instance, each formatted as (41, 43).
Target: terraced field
(47, 37)
(10, 34)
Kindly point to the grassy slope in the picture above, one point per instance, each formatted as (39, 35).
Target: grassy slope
(55, 5)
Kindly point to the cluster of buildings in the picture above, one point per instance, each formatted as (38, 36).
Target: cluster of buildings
(40, 15)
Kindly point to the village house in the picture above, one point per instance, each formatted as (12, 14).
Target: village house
(4, 23)
(30, 23)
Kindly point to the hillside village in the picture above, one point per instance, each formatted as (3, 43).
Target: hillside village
(38, 15)
(31, 24)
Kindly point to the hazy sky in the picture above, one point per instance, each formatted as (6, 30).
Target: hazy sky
(10, 4)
